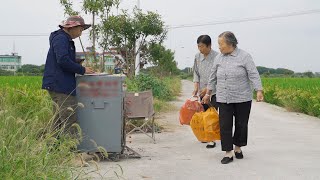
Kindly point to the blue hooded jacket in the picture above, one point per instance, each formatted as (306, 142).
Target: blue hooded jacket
(61, 66)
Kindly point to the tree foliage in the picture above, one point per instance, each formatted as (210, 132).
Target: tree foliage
(68, 7)
(163, 59)
(123, 30)
(278, 71)
(31, 69)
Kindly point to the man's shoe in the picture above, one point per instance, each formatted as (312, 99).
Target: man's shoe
(211, 145)
(239, 155)
(226, 160)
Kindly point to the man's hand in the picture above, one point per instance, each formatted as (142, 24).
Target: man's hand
(89, 70)
(260, 97)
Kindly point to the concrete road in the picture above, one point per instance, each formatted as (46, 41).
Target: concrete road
(282, 145)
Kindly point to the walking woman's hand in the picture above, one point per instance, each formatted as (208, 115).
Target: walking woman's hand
(195, 93)
(205, 99)
(203, 92)
(260, 97)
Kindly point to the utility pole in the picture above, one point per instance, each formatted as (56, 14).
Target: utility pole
(15, 63)
(137, 64)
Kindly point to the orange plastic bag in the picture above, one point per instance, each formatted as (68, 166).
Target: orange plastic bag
(188, 109)
(205, 125)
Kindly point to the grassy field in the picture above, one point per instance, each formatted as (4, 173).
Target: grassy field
(295, 94)
(28, 149)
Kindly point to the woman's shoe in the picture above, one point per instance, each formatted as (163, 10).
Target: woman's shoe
(226, 160)
(211, 145)
(239, 155)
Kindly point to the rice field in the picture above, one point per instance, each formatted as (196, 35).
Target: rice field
(295, 94)
(29, 148)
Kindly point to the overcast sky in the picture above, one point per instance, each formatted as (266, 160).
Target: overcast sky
(290, 42)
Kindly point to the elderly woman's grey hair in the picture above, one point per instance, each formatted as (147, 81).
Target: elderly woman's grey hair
(230, 38)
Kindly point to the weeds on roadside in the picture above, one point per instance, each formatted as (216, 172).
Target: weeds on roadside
(29, 147)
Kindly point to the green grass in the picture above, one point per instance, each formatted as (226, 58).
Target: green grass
(174, 86)
(28, 149)
(26, 142)
(33, 82)
(295, 94)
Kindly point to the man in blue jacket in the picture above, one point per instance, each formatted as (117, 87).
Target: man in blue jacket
(59, 74)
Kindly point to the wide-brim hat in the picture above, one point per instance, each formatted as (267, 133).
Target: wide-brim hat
(74, 21)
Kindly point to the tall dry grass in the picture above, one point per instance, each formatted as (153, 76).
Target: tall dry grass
(29, 147)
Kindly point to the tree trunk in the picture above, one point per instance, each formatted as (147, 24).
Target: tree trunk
(102, 62)
(102, 68)
(94, 40)
(130, 64)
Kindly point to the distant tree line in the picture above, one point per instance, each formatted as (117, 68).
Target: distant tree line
(167, 67)
(282, 72)
(25, 70)
(264, 72)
